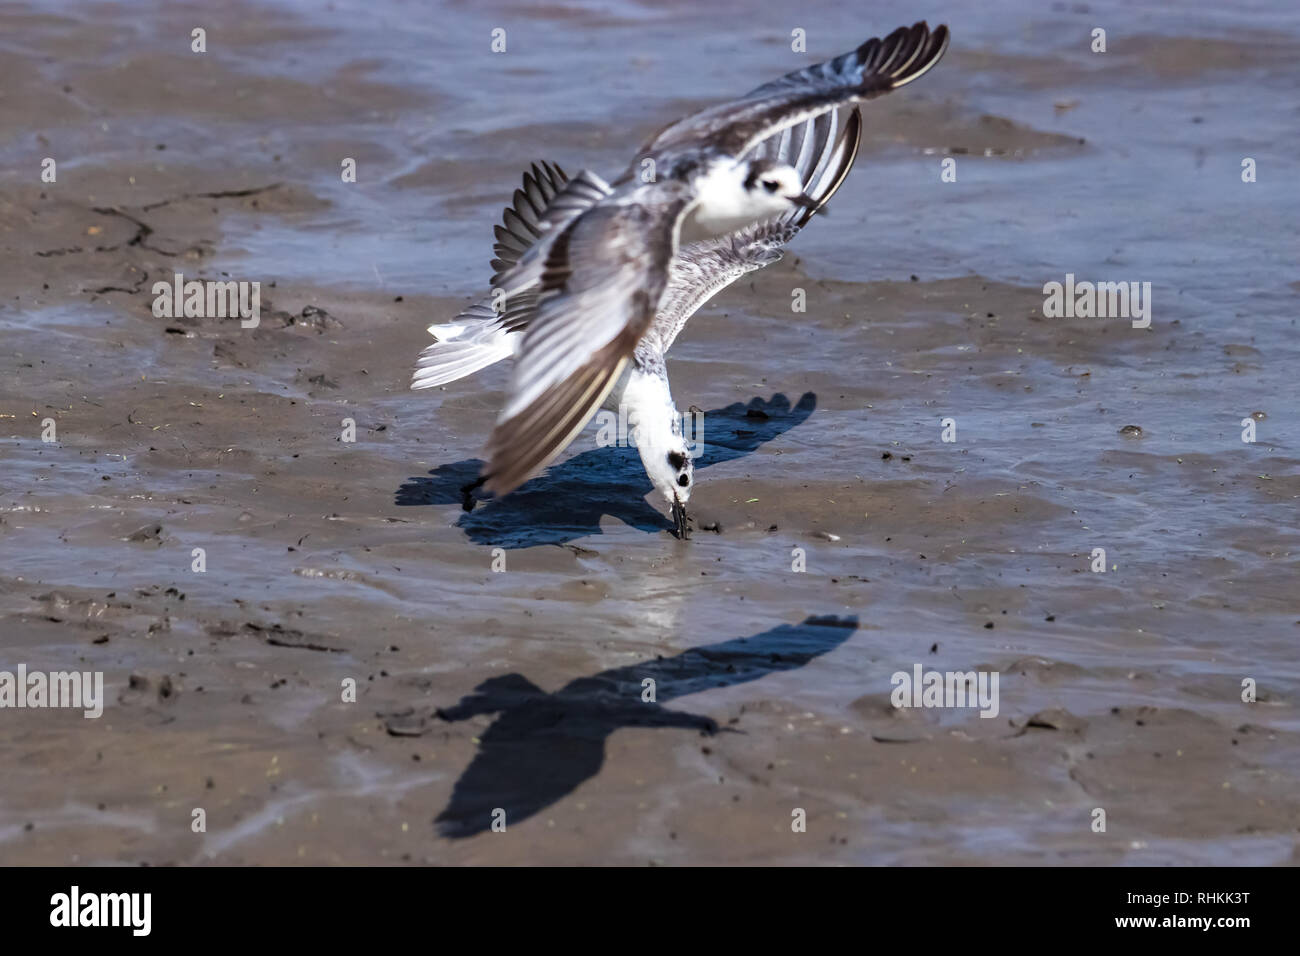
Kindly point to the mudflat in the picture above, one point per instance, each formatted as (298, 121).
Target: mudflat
(307, 638)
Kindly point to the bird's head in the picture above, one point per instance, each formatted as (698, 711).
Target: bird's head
(668, 464)
(774, 187)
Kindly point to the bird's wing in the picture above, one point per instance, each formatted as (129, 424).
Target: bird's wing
(822, 150)
(600, 283)
(549, 199)
(480, 335)
(703, 269)
(534, 207)
(873, 69)
(578, 195)
(521, 221)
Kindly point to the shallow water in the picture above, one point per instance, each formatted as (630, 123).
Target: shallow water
(328, 561)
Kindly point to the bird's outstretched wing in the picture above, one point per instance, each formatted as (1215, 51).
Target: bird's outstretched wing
(575, 197)
(521, 221)
(873, 69)
(822, 149)
(703, 269)
(547, 200)
(600, 279)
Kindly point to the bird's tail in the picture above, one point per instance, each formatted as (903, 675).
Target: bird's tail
(472, 341)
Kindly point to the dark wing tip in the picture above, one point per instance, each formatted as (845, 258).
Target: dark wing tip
(550, 175)
(918, 51)
(903, 56)
(521, 221)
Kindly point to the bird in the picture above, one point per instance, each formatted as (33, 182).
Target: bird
(593, 280)
(824, 150)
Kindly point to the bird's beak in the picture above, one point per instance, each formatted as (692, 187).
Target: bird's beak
(807, 202)
(681, 525)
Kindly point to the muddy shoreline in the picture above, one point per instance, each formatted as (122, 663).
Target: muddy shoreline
(332, 563)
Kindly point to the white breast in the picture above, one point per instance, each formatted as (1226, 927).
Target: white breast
(723, 205)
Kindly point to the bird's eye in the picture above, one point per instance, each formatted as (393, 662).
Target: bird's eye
(683, 480)
(771, 185)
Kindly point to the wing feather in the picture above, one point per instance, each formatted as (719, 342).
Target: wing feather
(521, 221)
(479, 337)
(703, 269)
(525, 444)
(873, 69)
(579, 194)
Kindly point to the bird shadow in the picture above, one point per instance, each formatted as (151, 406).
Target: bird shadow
(568, 501)
(542, 746)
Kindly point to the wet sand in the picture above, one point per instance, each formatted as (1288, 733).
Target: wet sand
(329, 560)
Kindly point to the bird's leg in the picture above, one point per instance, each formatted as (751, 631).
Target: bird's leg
(467, 492)
(681, 521)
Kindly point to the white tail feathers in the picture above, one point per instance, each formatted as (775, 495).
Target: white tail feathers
(473, 342)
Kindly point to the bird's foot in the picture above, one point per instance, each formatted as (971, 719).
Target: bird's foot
(467, 499)
(681, 521)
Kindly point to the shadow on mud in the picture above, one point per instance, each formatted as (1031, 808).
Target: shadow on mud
(543, 746)
(568, 501)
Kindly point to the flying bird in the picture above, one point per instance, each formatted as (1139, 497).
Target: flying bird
(593, 281)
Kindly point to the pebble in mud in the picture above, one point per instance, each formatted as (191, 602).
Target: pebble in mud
(314, 317)
(1131, 431)
(149, 534)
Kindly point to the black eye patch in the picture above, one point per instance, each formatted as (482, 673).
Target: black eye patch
(677, 460)
(757, 169)
(770, 185)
